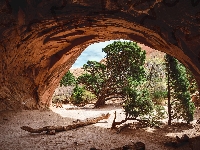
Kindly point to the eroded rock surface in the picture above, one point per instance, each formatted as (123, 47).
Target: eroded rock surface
(41, 39)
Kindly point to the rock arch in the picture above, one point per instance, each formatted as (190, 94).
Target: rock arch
(40, 40)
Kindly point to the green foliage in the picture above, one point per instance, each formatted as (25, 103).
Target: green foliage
(157, 115)
(123, 74)
(192, 82)
(138, 103)
(80, 96)
(77, 95)
(88, 96)
(179, 85)
(68, 79)
(124, 67)
(95, 77)
(158, 96)
(125, 61)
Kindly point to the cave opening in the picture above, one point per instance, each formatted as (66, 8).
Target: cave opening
(154, 59)
(40, 40)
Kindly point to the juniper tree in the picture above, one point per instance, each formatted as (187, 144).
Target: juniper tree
(68, 79)
(179, 105)
(123, 67)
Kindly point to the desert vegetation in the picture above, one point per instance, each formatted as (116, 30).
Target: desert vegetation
(150, 88)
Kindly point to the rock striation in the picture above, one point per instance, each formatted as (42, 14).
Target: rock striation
(41, 39)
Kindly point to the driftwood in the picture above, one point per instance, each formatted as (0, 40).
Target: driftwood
(53, 129)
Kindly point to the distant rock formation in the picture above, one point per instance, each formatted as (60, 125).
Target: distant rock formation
(77, 72)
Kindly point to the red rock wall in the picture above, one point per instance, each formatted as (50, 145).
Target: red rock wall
(41, 39)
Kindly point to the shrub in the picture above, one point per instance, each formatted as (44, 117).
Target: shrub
(158, 97)
(88, 96)
(76, 97)
(138, 103)
(68, 79)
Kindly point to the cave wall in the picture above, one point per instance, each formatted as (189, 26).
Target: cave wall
(41, 39)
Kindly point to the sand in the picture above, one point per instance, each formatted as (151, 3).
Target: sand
(99, 135)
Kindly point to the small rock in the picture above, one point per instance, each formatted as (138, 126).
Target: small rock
(93, 148)
(76, 143)
(5, 119)
(128, 147)
(139, 146)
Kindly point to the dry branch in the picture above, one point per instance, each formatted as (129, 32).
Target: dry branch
(118, 123)
(144, 123)
(54, 129)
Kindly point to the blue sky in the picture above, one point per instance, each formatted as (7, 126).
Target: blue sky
(92, 52)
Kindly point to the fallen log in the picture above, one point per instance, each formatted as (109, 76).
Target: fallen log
(53, 129)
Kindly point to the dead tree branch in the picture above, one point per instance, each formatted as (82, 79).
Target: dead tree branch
(118, 123)
(53, 129)
(144, 123)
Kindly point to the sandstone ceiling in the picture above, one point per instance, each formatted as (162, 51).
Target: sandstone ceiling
(41, 39)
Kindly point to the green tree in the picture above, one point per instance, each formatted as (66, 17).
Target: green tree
(192, 82)
(179, 105)
(124, 67)
(77, 95)
(95, 80)
(138, 103)
(68, 79)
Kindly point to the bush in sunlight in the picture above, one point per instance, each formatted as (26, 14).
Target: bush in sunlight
(89, 97)
(68, 79)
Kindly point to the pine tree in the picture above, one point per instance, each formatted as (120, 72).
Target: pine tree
(179, 105)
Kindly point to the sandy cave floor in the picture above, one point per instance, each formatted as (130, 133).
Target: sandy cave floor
(99, 135)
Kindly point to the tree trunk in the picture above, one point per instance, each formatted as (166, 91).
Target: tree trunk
(169, 100)
(101, 101)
